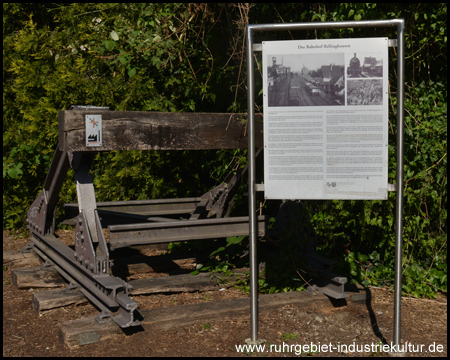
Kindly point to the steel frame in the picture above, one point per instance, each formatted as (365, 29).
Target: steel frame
(88, 267)
(250, 30)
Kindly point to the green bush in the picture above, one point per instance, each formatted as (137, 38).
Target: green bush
(59, 55)
(190, 57)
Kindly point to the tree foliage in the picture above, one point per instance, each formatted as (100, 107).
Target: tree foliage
(191, 57)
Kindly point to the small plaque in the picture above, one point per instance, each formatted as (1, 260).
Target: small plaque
(94, 130)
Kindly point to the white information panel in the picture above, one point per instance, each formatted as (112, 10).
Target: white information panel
(326, 119)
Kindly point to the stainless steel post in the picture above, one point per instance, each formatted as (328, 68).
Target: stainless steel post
(251, 154)
(251, 190)
(399, 198)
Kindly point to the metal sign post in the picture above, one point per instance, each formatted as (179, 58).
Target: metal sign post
(399, 23)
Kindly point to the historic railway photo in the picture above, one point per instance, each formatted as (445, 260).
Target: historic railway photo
(364, 86)
(371, 66)
(365, 92)
(306, 80)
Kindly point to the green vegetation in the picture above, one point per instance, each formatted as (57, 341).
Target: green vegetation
(288, 336)
(190, 57)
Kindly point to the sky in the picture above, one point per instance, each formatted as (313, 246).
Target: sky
(311, 61)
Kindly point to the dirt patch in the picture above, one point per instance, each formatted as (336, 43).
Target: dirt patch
(424, 322)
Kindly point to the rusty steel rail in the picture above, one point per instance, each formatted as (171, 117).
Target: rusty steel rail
(106, 292)
(132, 211)
(163, 232)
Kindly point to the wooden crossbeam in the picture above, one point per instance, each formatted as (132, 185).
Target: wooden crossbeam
(146, 130)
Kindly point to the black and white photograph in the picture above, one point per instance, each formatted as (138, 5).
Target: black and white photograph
(365, 92)
(365, 66)
(306, 80)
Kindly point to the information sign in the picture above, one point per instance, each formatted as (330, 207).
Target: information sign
(326, 119)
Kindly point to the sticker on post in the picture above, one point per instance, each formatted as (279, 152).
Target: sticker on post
(93, 130)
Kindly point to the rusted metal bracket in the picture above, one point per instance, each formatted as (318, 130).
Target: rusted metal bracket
(87, 267)
(91, 250)
(327, 282)
(220, 199)
(41, 214)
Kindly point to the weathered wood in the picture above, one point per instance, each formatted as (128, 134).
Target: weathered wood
(18, 259)
(46, 300)
(83, 331)
(160, 267)
(173, 284)
(36, 277)
(167, 318)
(131, 266)
(76, 333)
(79, 332)
(146, 130)
(55, 298)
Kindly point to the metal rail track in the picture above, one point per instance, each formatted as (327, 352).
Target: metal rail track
(108, 293)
